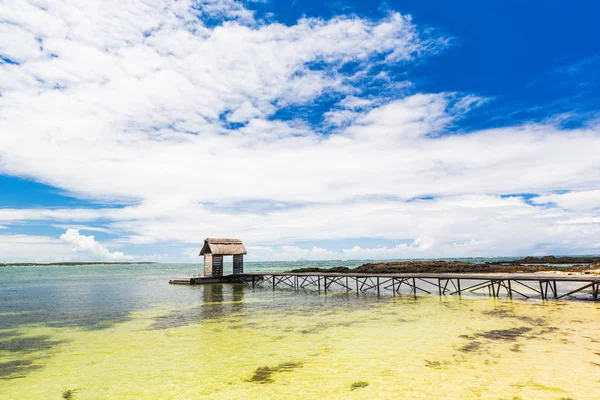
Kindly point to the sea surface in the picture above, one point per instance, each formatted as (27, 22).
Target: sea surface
(122, 332)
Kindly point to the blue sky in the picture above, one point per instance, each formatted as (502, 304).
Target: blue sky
(310, 129)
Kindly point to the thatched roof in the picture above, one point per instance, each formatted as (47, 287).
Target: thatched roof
(223, 247)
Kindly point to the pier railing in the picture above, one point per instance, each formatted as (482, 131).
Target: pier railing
(544, 286)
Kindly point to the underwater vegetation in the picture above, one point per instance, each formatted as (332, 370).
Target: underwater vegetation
(17, 368)
(265, 374)
(26, 348)
(69, 393)
(359, 385)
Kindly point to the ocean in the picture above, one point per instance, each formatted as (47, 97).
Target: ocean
(121, 331)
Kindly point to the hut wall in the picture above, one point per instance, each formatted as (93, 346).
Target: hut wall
(208, 265)
(217, 265)
(238, 264)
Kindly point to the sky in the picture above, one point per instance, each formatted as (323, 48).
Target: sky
(131, 130)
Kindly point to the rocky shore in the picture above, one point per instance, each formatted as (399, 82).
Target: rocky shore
(571, 265)
(557, 260)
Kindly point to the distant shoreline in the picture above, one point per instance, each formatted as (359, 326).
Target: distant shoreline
(74, 263)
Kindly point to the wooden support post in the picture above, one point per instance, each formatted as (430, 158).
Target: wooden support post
(318, 283)
(509, 289)
(253, 283)
(208, 265)
(394, 286)
(325, 283)
(555, 290)
(458, 284)
(378, 286)
(273, 278)
(542, 290)
(357, 286)
(414, 286)
(500, 284)
(440, 287)
(347, 287)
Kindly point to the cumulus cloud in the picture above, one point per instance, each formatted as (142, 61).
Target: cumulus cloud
(586, 200)
(33, 248)
(287, 253)
(181, 111)
(89, 245)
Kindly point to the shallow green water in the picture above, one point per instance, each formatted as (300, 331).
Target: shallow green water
(109, 332)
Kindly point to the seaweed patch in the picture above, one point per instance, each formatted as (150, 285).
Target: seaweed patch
(265, 374)
(16, 369)
(516, 348)
(504, 334)
(435, 364)
(28, 344)
(470, 347)
(69, 393)
(503, 313)
(359, 385)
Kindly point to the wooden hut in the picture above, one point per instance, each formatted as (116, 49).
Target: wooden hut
(213, 251)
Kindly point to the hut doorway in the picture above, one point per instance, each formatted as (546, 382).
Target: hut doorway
(215, 249)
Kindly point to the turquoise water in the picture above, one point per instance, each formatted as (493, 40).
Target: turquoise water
(121, 331)
(94, 294)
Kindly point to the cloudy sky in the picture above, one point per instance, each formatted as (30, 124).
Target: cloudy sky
(132, 130)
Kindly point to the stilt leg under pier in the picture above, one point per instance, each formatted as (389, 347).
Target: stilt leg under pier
(545, 286)
(542, 291)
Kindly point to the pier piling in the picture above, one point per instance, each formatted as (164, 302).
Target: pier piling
(495, 285)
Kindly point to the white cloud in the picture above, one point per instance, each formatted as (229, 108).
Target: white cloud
(353, 102)
(83, 228)
(30, 248)
(587, 200)
(89, 245)
(287, 253)
(138, 102)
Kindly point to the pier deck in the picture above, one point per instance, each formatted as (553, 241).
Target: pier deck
(540, 285)
(531, 285)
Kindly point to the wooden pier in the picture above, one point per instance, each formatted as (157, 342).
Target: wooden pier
(204, 280)
(539, 285)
